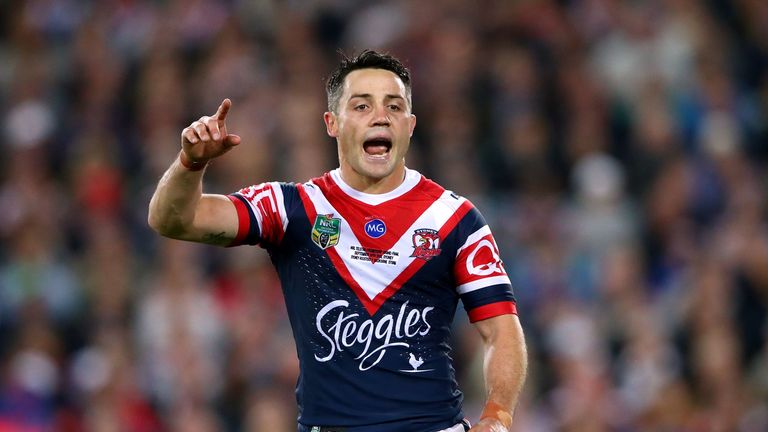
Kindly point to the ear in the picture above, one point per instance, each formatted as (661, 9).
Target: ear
(331, 124)
(412, 125)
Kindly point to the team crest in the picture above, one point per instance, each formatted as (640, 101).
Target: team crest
(326, 231)
(426, 244)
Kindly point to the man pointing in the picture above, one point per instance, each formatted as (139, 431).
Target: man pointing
(373, 258)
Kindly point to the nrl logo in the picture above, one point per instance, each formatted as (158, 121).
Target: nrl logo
(325, 232)
(426, 244)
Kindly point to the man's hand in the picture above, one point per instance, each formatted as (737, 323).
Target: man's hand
(489, 425)
(178, 208)
(207, 138)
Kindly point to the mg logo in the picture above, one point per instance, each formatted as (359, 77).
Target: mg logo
(375, 228)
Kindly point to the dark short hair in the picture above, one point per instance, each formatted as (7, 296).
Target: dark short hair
(367, 59)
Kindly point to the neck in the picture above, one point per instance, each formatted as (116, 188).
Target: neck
(372, 185)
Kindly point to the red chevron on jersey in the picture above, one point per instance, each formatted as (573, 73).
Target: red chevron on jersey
(374, 285)
(397, 215)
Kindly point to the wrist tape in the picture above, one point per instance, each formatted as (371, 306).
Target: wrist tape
(498, 412)
(190, 165)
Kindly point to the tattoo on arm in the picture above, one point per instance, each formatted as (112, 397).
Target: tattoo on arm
(220, 239)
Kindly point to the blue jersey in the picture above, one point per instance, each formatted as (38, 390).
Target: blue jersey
(371, 285)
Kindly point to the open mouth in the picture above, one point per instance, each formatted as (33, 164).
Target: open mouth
(377, 146)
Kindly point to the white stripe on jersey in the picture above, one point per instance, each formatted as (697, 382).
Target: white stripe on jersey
(258, 210)
(474, 237)
(280, 205)
(277, 204)
(482, 283)
(374, 278)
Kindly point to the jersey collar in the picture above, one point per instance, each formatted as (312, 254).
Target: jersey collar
(412, 178)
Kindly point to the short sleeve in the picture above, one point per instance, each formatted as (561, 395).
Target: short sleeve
(261, 214)
(481, 280)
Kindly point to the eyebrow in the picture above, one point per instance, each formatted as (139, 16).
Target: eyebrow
(369, 96)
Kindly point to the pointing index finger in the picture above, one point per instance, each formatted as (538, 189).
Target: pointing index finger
(221, 113)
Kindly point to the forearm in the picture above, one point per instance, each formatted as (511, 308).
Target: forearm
(173, 205)
(505, 368)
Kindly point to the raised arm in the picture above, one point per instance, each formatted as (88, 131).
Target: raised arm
(178, 208)
(504, 367)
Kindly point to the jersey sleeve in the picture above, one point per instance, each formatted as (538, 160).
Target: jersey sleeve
(481, 281)
(261, 214)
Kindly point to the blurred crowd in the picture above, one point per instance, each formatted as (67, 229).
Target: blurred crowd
(617, 148)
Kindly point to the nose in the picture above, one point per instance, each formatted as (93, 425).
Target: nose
(380, 117)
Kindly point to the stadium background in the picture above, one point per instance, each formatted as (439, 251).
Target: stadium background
(617, 148)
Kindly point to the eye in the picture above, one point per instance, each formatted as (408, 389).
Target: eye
(394, 107)
(361, 107)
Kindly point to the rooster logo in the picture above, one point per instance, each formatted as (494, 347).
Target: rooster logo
(415, 364)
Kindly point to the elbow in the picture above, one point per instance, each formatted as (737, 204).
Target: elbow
(163, 226)
(156, 223)
(159, 217)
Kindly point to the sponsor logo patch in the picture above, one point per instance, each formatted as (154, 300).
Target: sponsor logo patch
(326, 231)
(484, 259)
(371, 339)
(426, 244)
(375, 228)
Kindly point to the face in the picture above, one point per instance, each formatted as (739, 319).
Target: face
(373, 127)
